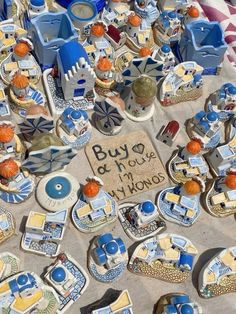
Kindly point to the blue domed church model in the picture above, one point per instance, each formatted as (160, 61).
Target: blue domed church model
(177, 303)
(141, 220)
(72, 81)
(223, 101)
(107, 258)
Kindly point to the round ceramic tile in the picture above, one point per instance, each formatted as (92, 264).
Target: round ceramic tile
(57, 191)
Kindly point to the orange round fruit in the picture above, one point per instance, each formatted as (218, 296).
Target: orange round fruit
(230, 181)
(193, 147)
(192, 187)
(8, 168)
(91, 189)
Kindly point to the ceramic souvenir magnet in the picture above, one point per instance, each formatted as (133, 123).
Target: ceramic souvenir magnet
(109, 115)
(25, 292)
(71, 82)
(16, 185)
(36, 121)
(140, 103)
(222, 159)
(165, 57)
(217, 277)
(187, 162)
(21, 60)
(167, 257)
(73, 128)
(107, 258)
(220, 198)
(48, 153)
(24, 94)
(137, 35)
(181, 204)
(115, 13)
(44, 232)
(122, 304)
(115, 36)
(141, 220)
(147, 9)
(95, 207)
(105, 75)
(168, 28)
(177, 303)
(183, 83)
(165, 5)
(205, 127)
(9, 265)
(57, 191)
(7, 225)
(16, 34)
(68, 279)
(10, 143)
(168, 133)
(96, 45)
(36, 8)
(223, 101)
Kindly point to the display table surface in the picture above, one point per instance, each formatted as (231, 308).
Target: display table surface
(208, 234)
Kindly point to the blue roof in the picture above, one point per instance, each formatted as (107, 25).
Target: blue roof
(70, 53)
(232, 90)
(58, 274)
(205, 125)
(172, 14)
(200, 115)
(76, 114)
(165, 48)
(186, 309)
(147, 207)
(22, 280)
(37, 3)
(112, 248)
(212, 116)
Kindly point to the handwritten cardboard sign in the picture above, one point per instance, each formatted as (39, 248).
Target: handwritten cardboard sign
(127, 164)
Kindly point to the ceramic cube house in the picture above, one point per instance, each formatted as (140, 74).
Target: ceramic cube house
(75, 73)
(50, 31)
(203, 42)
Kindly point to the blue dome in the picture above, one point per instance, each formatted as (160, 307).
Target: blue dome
(212, 116)
(172, 14)
(232, 90)
(165, 48)
(76, 114)
(148, 207)
(37, 3)
(58, 187)
(58, 274)
(186, 309)
(200, 115)
(205, 125)
(22, 280)
(112, 247)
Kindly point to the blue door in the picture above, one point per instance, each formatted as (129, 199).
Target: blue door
(79, 92)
